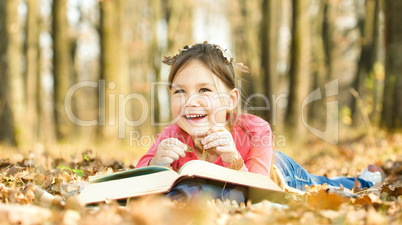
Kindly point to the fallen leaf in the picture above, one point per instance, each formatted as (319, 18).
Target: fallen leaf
(324, 200)
(357, 186)
(330, 214)
(237, 164)
(392, 191)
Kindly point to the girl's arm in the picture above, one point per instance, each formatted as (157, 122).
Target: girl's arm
(144, 160)
(259, 158)
(260, 161)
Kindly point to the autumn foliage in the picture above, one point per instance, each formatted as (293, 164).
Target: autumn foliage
(26, 179)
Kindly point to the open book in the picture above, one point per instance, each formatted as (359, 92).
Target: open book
(159, 180)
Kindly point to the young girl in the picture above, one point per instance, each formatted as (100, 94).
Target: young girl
(205, 106)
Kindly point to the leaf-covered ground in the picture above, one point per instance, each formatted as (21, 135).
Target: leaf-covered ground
(28, 178)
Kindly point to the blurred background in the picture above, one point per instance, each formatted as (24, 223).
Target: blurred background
(89, 72)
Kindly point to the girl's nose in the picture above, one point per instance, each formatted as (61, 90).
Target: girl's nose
(193, 100)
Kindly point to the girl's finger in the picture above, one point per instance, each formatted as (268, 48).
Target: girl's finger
(177, 150)
(216, 128)
(173, 144)
(167, 160)
(227, 153)
(212, 137)
(178, 143)
(170, 154)
(224, 149)
(223, 141)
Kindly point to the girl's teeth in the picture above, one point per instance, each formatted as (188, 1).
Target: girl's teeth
(194, 116)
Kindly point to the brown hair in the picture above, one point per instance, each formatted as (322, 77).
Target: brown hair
(212, 56)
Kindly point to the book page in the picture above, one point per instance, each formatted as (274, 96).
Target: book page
(128, 173)
(209, 170)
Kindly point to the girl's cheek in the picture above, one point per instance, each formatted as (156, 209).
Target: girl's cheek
(176, 105)
(177, 100)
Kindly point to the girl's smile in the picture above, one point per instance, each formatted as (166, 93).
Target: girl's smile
(199, 100)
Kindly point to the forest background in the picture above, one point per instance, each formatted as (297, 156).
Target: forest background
(89, 73)
(83, 92)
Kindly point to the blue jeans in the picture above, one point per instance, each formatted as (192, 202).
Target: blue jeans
(296, 176)
(188, 190)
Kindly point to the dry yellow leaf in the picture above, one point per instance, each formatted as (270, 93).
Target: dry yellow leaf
(237, 164)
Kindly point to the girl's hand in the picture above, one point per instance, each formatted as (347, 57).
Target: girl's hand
(222, 140)
(169, 150)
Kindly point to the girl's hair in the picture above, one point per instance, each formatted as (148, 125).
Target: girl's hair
(214, 58)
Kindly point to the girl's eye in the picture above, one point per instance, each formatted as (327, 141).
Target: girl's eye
(205, 90)
(179, 91)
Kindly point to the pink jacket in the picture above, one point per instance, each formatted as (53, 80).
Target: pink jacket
(253, 139)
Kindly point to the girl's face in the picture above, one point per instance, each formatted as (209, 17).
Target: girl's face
(199, 99)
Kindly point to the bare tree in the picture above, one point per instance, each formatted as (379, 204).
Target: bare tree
(62, 68)
(155, 58)
(299, 73)
(269, 50)
(12, 102)
(319, 70)
(7, 131)
(179, 16)
(392, 101)
(114, 67)
(368, 25)
(32, 69)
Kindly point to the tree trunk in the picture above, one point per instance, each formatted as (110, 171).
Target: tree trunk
(392, 101)
(15, 73)
(317, 109)
(299, 73)
(6, 119)
(377, 67)
(269, 52)
(367, 25)
(179, 18)
(245, 23)
(156, 61)
(109, 66)
(62, 72)
(249, 45)
(12, 102)
(114, 71)
(327, 31)
(32, 71)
